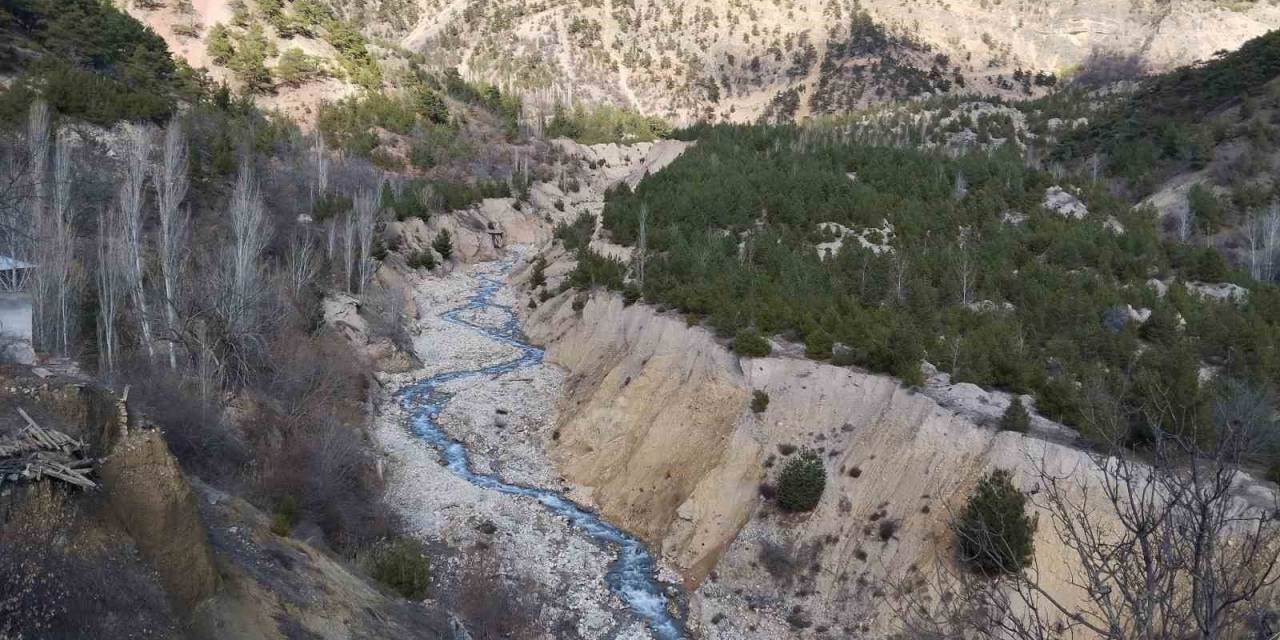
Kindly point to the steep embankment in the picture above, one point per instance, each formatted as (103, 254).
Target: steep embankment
(656, 430)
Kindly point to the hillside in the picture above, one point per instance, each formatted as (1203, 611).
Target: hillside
(639, 319)
(708, 59)
(737, 60)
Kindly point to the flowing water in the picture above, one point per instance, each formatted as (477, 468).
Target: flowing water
(632, 575)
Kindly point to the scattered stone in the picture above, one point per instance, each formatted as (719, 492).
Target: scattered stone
(1059, 201)
(1013, 218)
(1220, 291)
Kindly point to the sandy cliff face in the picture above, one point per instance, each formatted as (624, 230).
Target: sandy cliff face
(651, 425)
(656, 429)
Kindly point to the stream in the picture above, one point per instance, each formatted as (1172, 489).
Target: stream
(632, 575)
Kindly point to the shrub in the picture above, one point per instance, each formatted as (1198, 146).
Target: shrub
(630, 295)
(748, 342)
(993, 534)
(296, 67)
(759, 401)
(402, 565)
(578, 234)
(594, 269)
(443, 244)
(538, 277)
(431, 106)
(887, 529)
(421, 260)
(818, 344)
(1015, 418)
(219, 44)
(801, 482)
(285, 516)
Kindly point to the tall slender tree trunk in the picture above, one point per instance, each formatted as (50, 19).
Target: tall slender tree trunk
(132, 191)
(171, 184)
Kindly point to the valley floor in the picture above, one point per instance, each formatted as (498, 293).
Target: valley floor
(549, 565)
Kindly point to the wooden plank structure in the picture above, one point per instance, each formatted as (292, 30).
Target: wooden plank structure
(37, 453)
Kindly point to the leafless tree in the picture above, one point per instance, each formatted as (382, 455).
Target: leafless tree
(899, 277)
(170, 182)
(349, 240)
(965, 267)
(25, 174)
(41, 243)
(1262, 235)
(57, 266)
(250, 233)
(303, 263)
(38, 146)
(1165, 545)
(132, 202)
(112, 288)
(331, 238)
(365, 219)
(320, 156)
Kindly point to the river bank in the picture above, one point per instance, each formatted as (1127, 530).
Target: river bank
(543, 548)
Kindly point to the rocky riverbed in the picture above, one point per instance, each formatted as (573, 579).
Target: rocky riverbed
(504, 421)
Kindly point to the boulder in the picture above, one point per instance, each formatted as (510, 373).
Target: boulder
(1219, 291)
(1059, 201)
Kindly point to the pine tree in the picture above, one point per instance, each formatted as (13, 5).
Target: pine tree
(749, 342)
(801, 482)
(994, 535)
(443, 244)
(219, 45)
(1015, 417)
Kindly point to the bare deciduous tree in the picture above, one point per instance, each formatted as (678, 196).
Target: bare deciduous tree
(365, 219)
(965, 267)
(57, 264)
(302, 263)
(348, 249)
(132, 202)
(112, 261)
(250, 233)
(171, 182)
(1262, 235)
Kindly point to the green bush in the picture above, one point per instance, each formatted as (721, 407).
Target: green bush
(759, 401)
(538, 276)
(801, 482)
(296, 67)
(748, 342)
(818, 344)
(219, 44)
(402, 565)
(285, 516)
(443, 244)
(595, 270)
(421, 260)
(1015, 417)
(578, 234)
(604, 124)
(630, 294)
(994, 536)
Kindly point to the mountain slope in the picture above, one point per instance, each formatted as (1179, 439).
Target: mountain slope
(739, 60)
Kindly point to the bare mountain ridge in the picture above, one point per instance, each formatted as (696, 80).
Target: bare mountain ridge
(738, 60)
